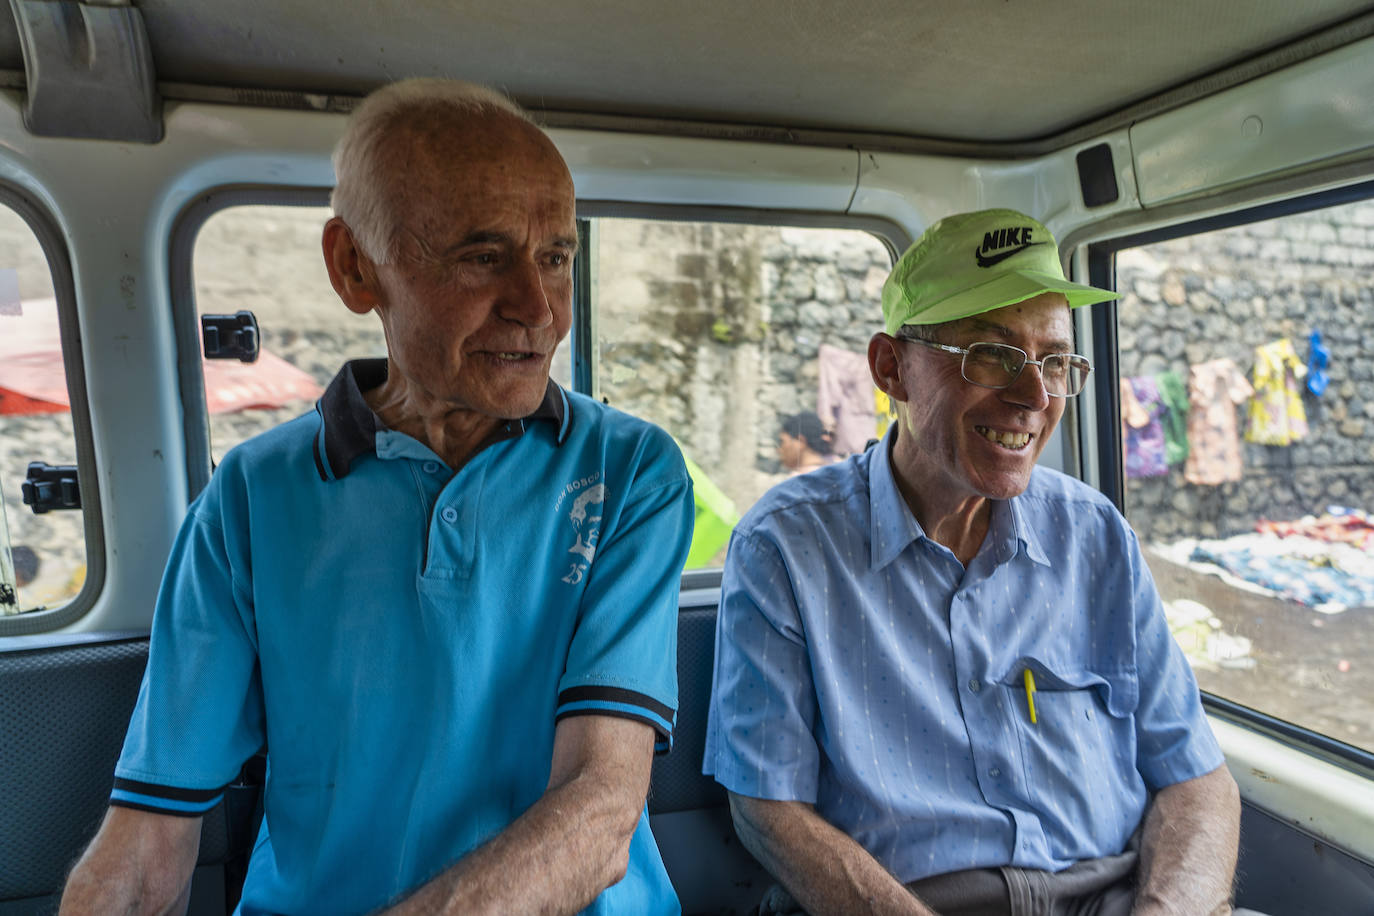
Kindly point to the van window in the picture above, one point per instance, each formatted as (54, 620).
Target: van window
(719, 331)
(267, 260)
(42, 556)
(1248, 428)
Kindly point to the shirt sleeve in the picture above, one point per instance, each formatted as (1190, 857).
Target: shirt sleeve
(623, 657)
(760, 739)
(199, 712)
(1174, 743)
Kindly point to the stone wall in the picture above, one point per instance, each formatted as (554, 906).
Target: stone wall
(1225, 293)
(712, 331)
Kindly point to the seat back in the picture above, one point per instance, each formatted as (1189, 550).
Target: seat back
(689, 813)
(65, 703)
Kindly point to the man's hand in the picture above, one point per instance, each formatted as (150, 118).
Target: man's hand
(1188, 849)
(138, 863)
(822, 867)
(571, 844)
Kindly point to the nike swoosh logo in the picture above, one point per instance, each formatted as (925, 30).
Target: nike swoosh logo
(990, 260)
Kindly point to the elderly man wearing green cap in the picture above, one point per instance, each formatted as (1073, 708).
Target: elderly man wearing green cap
(944, 681)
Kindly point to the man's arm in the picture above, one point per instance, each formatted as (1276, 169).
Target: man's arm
(139, 862)
(571, 844)
(819, 865)
(1188, 849)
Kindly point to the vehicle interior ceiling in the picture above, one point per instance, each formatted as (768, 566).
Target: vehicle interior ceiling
(905, 110)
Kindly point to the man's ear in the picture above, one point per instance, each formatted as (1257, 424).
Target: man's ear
(350, 271)
(885, 364)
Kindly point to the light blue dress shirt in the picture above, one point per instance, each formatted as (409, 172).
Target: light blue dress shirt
(862, 669)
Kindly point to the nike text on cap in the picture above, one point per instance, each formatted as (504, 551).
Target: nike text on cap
(972, 263)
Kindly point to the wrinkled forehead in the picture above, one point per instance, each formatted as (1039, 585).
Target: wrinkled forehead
(1044, 320)
(495, 169)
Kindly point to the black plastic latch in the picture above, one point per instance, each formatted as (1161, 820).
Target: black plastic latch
(48, 487)
(230, 336)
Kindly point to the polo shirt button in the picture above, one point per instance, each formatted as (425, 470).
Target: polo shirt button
(449, 514)
(975, 685)
(431, 467)
(994, 772)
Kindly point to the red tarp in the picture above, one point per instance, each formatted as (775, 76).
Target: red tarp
(33, 380)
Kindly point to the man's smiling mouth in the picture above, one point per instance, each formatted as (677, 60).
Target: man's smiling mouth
(1005, 439)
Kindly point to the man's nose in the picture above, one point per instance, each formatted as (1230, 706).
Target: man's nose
(526, 299)
(1028, 389)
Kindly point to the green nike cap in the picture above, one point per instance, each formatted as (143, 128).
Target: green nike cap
(972, 263)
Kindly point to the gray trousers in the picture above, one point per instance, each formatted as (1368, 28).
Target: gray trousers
(1095, 887)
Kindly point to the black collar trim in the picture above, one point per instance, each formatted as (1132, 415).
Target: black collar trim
(348, 427)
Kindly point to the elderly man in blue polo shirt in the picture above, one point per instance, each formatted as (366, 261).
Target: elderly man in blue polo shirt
(944, 682)
(446, 601)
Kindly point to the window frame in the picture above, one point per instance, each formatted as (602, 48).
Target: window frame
(53, 244)
(1111, 458)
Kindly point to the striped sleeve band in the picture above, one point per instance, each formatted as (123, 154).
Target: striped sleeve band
(617, 701)
(147, 796)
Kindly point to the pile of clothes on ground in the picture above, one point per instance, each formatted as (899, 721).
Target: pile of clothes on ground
(1323, 562)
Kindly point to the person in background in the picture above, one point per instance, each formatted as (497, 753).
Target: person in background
(804, 443)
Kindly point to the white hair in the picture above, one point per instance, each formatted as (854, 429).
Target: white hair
(364, 193)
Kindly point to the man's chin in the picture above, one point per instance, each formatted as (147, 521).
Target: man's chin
(512, 402)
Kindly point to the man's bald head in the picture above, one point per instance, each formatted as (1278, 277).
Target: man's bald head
(402, 133)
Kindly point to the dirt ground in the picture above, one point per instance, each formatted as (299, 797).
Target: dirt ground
(1299, 655)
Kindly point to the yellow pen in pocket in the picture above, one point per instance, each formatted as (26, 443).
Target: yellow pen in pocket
(1029, 678)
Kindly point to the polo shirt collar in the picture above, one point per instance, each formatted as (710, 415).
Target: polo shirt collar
(893, 526)
(349, 428)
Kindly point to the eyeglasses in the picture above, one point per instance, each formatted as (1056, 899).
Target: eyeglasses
(994, 365)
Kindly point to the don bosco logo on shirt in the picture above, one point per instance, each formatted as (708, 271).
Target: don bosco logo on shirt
(588, 495)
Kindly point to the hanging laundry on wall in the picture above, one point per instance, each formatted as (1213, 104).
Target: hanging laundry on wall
(1215, 389)
(1318, 358)
(1174, 394)
(844, 399)
(1142, 432)
(1276, 415)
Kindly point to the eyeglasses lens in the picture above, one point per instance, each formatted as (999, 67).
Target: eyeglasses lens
(998, 366)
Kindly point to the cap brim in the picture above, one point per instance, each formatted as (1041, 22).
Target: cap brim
(1008, 288)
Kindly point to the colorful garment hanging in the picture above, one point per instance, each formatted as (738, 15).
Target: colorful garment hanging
(1142, 431)
(1174, 393)
(844, 399)
(1276, 415)
(1215, 389)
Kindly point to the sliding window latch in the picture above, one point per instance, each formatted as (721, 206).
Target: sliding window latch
(230, 336)
(48, 487)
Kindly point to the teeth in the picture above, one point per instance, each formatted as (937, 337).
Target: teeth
(509, 355)
(1005, 439)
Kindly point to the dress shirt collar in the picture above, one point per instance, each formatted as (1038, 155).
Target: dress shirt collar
(893, 526)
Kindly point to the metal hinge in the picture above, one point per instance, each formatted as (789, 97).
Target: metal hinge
(230, 336)
(48, 487)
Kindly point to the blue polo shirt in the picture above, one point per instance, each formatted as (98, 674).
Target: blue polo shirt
(861, 668)
(403, 639)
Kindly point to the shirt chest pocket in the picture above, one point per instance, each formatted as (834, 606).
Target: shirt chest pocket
(1113, 690)
(1078, 751)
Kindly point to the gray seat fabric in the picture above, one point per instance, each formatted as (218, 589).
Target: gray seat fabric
(678, 784)
(65, 703)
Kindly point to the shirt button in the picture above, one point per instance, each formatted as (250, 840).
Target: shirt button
(449, 514)
(431, 467)
(994, 772)
(975, 685)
